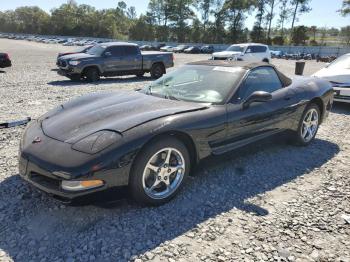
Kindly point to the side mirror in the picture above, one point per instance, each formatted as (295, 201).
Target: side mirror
(107, 54)
(257, 96)
(248, 51)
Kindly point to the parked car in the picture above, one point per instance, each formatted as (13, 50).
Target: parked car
(5, 60)
(150, 139)
(167, 48)
(207, 49)
(245, 52)
(338, 73)
(180, 48)
(192, 50)
(78, 51)
(146, 48)
(276, 54)
(114, 59)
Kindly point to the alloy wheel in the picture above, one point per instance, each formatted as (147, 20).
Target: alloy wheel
(309, 125)
(163, 173)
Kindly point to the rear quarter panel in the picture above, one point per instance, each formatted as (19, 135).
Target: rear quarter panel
(151, 57)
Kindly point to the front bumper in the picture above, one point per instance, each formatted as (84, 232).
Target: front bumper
(47, 163)
(5, 63)
(69, 71)
(342, 94)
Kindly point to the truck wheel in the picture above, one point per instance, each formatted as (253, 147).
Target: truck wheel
(157, 71)
(92, 75)
(75, 78)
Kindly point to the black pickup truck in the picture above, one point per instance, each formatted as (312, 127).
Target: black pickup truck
(114, 59)
(5, 60)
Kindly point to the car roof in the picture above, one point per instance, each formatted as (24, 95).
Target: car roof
(227, 63)
(247, 44)
(118, 44)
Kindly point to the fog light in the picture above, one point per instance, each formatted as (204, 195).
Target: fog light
(81, 185)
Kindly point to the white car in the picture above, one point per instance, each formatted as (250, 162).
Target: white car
(338, 73)
(245, 52)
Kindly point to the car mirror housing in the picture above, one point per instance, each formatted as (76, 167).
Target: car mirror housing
(257, 96)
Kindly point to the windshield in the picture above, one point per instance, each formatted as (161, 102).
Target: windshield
(342, 62)
(96, 50)
(197, 83)
(236, 48)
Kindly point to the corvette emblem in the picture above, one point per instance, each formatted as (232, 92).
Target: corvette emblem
(36, 140)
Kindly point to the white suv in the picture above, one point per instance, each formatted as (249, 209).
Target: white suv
(245, 52)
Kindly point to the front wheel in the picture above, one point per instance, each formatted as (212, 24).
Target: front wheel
(308, 125)
(159, 171)
(92, 74)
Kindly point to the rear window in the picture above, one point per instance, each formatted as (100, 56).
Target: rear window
(131, 50)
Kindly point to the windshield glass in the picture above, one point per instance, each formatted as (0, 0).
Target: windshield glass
(197, 83)
(342, 62)
(236, 48)
(96, 50)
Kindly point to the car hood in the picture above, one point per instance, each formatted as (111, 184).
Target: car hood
(77, 56)
(118, 111)
(334, 75)
(226, 54)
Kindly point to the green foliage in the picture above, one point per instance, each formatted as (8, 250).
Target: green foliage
(345, 10)
(299, 35)
(278, 40)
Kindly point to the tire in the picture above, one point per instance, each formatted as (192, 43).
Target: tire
(75, 78)
(92, 74)
(153, 179)
(157, 71)
(303, 137)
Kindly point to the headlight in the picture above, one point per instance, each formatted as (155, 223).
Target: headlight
(74, 62)
(96, 142)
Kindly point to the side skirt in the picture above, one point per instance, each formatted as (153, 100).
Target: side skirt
(243, 142)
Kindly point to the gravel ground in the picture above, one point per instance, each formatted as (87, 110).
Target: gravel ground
(266, 202)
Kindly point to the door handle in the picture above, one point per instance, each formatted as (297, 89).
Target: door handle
(288, 98)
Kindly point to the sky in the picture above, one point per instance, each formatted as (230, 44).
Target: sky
(324, 12)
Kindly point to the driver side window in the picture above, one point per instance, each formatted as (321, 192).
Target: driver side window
(260, 79)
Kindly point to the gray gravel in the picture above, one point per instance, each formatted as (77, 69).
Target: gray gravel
(267, 202)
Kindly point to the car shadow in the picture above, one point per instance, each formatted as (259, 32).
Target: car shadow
(119, 229)
(102, 81)
(341, 108)
(2, 72)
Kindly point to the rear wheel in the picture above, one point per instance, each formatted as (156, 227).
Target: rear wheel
(157, 71)
(308, 126)
(159, 171)
(92, 74)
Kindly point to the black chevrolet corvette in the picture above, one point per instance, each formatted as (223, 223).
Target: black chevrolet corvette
(150, 139)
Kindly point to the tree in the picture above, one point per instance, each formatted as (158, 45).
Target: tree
(284, 15)
(180, 12)
(236, 13)
(301, 6)
(313, 30)
(345, 33)
(257, 32)
(204, 7)
(270, 16)
(299, 35)
(345, 10)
